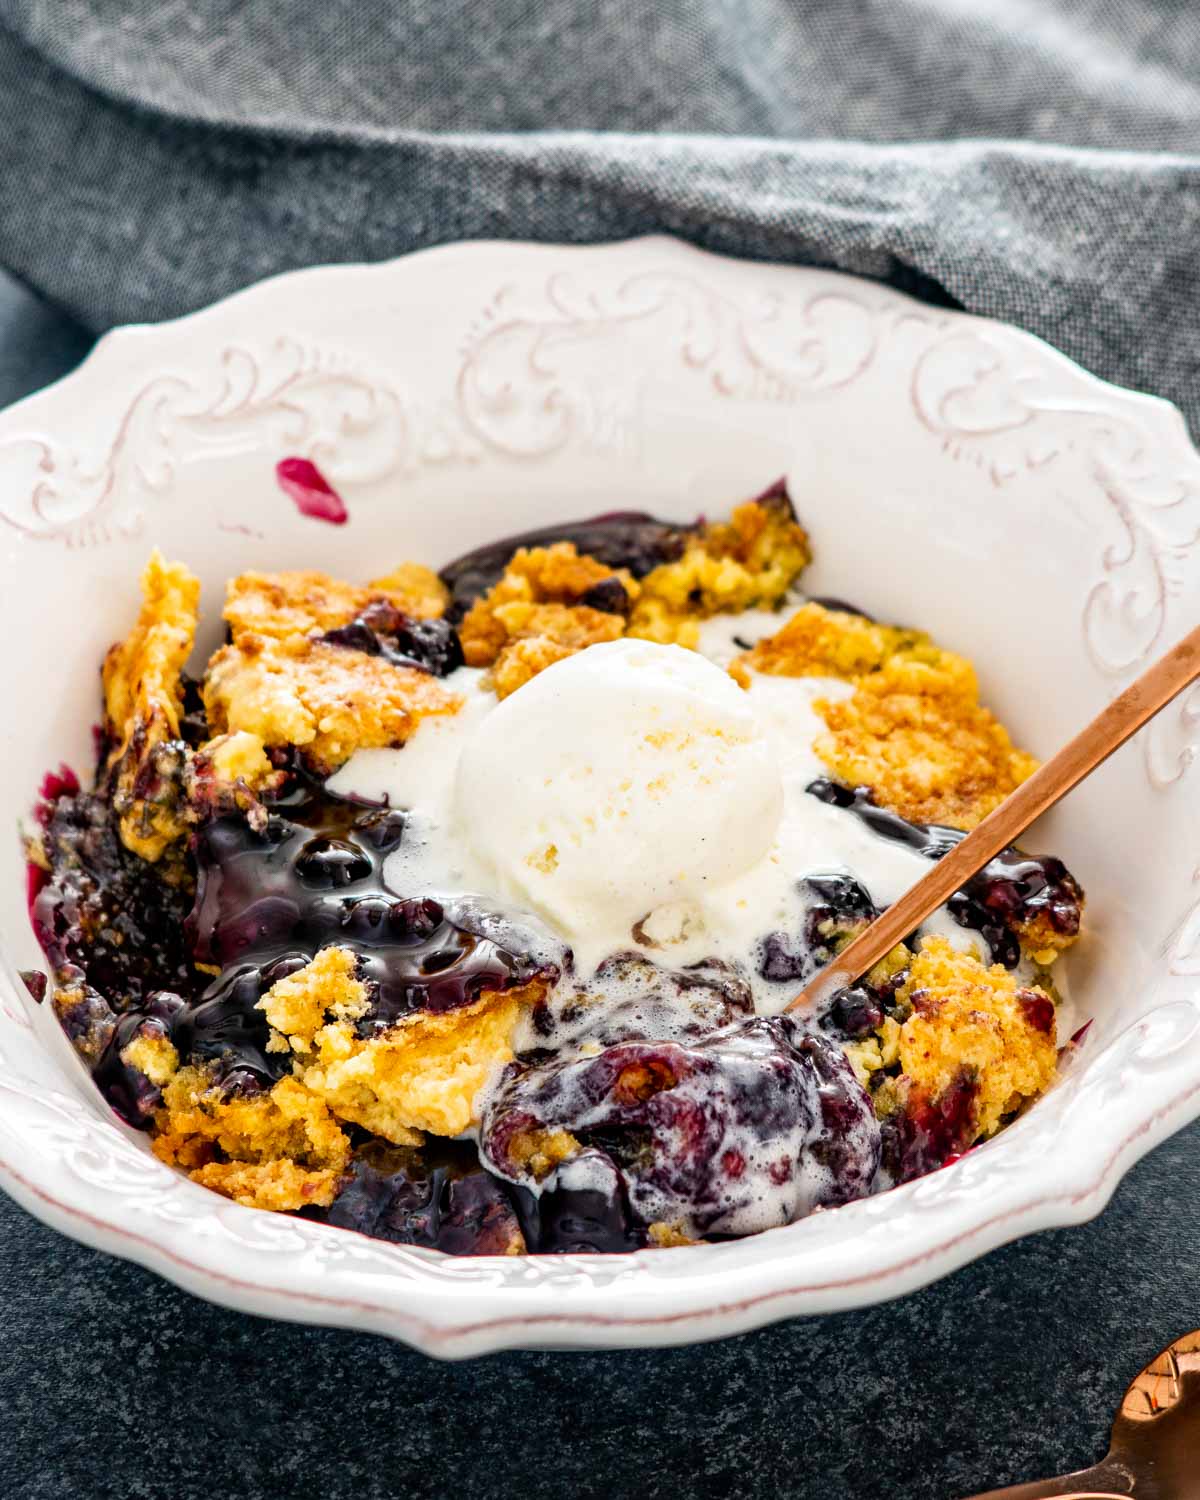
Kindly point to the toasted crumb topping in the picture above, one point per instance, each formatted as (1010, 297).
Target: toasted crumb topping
(969, 1016)
(550, 633)
(537, 1151)
(239, 758)
(328, 700)
(534, 576)
(278, 682)
(747, 562)
(536, 613)
(423, 1075)
(280, 1185)
(287, 1133)
(160, 787)
(820, 642)
(668, 1236)
(297, 1007)
(143, 705)
(414, 589)
(154, 1056)
(306, 601)
(552, 602)
(913, 729)
(916, 734)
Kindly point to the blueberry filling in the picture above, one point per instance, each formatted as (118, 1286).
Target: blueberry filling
(584, 1210)
(102, 914)
(1011, 891)
(267, 901)
(838, 907)
(383, 630)
(928, 1132)
(854, 1013)
(753, 1125)
(438, 1197)
(620, 539)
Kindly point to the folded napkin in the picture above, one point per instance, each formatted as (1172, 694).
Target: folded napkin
(1038, 160)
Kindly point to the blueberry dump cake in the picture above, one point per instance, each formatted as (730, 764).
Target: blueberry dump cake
(461, 908)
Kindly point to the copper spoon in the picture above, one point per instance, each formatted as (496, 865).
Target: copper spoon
(1108, 731)
(1155, 1451)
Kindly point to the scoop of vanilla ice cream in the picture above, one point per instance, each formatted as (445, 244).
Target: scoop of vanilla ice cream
(625, 777)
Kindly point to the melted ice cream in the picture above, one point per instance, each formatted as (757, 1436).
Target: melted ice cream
(778, 832)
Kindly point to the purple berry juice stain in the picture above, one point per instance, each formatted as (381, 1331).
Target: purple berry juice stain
(310, 491)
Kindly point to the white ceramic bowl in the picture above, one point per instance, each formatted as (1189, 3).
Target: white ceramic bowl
(953, 472)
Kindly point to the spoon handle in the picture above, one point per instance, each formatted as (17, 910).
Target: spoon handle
(1105, 1482)
(1108, 731)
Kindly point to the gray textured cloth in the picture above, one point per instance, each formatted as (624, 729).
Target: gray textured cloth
(1038, 160)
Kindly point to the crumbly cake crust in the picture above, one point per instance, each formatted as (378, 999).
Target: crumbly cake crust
(307, 602)
(279, 681)
(538, 613)
(913, 729)
(143, 707)
(968, 1015)
(287, 1134)
(747, 562)
(818, 641)
(299, 1005)
(552, 602)
(328, 701)
(425, 1074)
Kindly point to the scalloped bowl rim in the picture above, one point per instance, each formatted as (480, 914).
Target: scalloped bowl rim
(1147, 1076)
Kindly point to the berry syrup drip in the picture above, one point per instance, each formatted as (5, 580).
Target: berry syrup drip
(267, 901)
(619, 539)
(754, 1125)
(310, 492)
(1010, 892)
(383, 630)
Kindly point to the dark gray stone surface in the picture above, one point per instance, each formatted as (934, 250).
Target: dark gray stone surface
(116, 1386)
